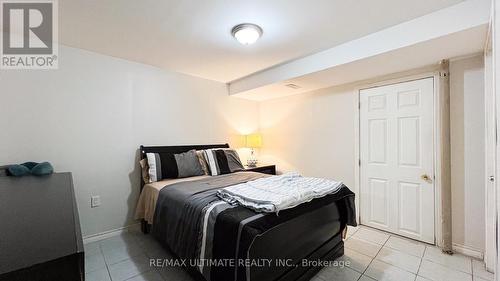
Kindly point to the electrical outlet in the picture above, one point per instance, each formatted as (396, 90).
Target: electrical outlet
(95, 201)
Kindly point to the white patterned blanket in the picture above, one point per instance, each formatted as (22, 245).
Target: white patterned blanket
(276, 193)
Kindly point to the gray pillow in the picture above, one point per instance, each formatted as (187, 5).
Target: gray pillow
(188, 164)
(233, 160)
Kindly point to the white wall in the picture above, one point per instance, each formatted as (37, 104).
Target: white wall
(314, 133)
(467, 152)
(90, 116)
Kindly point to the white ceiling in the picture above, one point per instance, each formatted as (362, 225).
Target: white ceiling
(193, 36)
(421, 42)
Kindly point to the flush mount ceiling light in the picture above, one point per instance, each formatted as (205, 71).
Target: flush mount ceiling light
(246, 33)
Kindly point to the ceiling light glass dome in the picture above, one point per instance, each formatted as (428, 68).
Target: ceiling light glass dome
(247, 33)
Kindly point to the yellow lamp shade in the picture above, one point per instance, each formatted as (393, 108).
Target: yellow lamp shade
(253, 141)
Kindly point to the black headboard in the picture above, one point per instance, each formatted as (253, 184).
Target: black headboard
(176, 149)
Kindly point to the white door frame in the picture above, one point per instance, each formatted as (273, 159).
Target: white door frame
(495, 38)
(490, 165)
(436, 136)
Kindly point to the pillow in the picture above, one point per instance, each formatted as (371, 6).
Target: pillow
(172, 166)
(144, 170)
(233, 160)
(161, 166)
(188, 164)
(203, 161)
(223, 161)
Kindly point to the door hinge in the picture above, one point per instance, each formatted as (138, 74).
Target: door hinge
(359, 162)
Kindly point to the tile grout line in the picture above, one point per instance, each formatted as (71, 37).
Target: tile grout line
(397, 267)
(421, 257)
(155, 269)
(447, 266)
(421, 261)
(143, 249)
(472, 269)
(416, 274)
(364, 271)
(411, 241)
(146, 255)
(352, 234)
(358, 228)
(350, 237)
(105, 262)
(108, 265)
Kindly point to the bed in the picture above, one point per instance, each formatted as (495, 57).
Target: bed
(220, 241)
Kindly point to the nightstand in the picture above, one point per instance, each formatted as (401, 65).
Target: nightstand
(265, 169)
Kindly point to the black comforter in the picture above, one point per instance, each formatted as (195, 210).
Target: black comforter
(197, 226)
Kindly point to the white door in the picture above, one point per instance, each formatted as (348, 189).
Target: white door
(397, 158)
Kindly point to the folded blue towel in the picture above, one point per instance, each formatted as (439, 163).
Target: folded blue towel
(42, 169)
(29, 165)
(37, 169)
(18, 170)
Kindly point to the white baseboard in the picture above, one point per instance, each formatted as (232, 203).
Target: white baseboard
(110, 233)
(468, 251)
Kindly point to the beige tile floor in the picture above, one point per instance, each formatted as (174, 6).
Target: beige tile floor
(372, 255)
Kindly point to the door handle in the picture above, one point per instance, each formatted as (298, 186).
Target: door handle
(491, 178)
(426, 178)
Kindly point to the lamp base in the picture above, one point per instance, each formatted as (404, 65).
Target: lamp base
(252, 163)
(252, 160)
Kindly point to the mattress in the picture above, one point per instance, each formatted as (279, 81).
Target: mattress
(149, 195)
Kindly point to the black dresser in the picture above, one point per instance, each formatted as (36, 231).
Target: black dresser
(40, 237)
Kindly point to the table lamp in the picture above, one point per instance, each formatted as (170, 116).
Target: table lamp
(253, 141)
